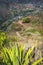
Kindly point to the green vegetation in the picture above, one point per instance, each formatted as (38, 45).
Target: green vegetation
(16, 55)
(26, 20)
(37, 62)
(32, 31)
(3, 38)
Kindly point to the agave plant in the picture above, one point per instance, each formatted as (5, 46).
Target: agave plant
(38, 62)
(16, 56)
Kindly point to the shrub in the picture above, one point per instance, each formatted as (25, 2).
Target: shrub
(26, 20)
(3, 38)
(4, 41)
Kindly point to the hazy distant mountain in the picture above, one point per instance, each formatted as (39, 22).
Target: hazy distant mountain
(4, 5)
(22, 1)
